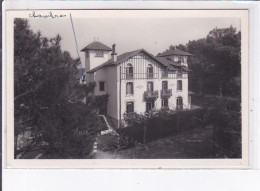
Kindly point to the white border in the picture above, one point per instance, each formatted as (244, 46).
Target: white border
(139, 180)
(132, 163)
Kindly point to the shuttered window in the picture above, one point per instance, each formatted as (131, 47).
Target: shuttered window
(101, 86)
(179, 85)
(130, 107)
(129, 71)
(99, 53)
(164, 103)
(129, 88)
(179, 103)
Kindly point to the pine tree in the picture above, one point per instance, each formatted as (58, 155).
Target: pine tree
(48, 97)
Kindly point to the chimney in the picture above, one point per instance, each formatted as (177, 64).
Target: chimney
(114, 54)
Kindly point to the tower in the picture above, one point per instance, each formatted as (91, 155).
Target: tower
(96, 53)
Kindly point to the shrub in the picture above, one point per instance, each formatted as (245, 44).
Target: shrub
(163, 124)
(225, 117)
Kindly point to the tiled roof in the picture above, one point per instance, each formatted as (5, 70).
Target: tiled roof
(120, 58)
(168, 62)
(174, 65)
(96, 46)
(123, 57)
(174, 51)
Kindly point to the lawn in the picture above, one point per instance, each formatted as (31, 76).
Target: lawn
(192, 144)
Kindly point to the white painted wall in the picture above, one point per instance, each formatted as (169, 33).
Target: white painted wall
(111, 76)
(112, 89)
(91, 61)
(140, 86)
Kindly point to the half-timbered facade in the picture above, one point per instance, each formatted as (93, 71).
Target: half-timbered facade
(137, 81)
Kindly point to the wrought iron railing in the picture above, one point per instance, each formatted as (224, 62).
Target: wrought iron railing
(127, 76)
(166, 93)
(151, 94)
(136, 76)
(164, 74)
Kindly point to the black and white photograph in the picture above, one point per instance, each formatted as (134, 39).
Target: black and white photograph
(128, 84)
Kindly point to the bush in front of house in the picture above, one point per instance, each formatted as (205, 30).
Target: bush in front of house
(162, 124)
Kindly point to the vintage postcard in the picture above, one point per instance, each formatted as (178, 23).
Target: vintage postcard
(126, 88)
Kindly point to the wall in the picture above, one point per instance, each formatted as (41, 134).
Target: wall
(100, 75)
(140, 63)
(112, 90)
(91, 61)
(111, 76)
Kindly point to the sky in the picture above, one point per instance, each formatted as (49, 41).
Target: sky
(154, 34)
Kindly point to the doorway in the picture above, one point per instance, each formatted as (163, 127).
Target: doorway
(149, 105)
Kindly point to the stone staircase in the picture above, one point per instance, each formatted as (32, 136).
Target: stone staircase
(109, 124)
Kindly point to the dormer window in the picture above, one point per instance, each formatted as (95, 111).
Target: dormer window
(99, 53)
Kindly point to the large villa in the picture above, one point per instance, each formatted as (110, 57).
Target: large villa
(137, 81)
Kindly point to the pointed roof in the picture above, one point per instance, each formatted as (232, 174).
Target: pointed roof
(125, 56)
(174, 51)
(174, 65)
(96, 46)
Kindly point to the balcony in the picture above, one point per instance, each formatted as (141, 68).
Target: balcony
(137, 76)
(164, 74)
(150, 95)
(166, 93)
(150, 75)
(129, 76)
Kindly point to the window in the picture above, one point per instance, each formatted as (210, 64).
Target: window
(164, 86)
(149, 86)
(149, 106)
(129, 71)
(164, 103)
(101, 86)
(129, 88)
(165, 73)
(179, 85)
(150, 71)
(176, 59)
(130, 107)
(99, 53)
(179, 74)
(179, 103)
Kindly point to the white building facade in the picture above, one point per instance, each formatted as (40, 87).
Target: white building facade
(137, 81)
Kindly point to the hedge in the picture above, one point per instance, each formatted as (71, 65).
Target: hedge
(164, 124)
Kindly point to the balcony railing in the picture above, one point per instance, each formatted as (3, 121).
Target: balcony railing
(164, 74)
(136, 76)
(149, 75)
(129, 76)
(166, 93)
(151, 94)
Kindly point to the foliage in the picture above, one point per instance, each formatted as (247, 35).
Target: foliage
(101, 103)
(217, 58)
(225, 118)
(48, 96)
(224, 115)
(115, 143)
(161, 124)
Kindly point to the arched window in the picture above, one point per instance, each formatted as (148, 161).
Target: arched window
(179, 104)
(179, 85)
(129, 71)
(150, 71)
